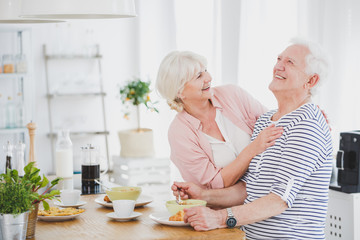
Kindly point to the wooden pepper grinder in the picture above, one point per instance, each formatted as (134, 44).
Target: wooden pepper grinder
(31, 126)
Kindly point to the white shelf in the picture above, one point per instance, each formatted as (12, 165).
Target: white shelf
(84, 133)
(49, 57)
(90, 94)
(12, 130)
(11, 75)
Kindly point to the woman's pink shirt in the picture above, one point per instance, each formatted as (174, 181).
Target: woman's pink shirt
(190, 149)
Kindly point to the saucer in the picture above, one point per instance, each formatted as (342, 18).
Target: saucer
(133, 215)
(60, 204)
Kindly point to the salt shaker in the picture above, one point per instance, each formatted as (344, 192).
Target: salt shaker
(20, 158)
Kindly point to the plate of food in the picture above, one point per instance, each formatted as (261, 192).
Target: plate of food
(166, 219)
(55, 214)
(106, 202)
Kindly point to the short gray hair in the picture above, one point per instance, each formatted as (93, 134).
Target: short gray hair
(317, 61)
(175, 70)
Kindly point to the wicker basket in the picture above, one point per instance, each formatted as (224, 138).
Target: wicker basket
(31, 227)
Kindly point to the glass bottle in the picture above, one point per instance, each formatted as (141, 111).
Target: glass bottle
(10, 113)
(2, 112)
(20, 158)
(64, 155)
(19, 111)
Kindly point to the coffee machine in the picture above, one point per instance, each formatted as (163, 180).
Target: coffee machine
(348, 163)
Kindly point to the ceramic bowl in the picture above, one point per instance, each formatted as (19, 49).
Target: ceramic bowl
(173, 207)
(121, 193)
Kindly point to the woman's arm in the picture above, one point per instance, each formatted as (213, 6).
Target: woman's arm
(236, 169)
(215, 198)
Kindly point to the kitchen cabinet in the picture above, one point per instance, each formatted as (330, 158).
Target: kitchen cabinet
(76, 100)
(343, 216)
(15, 88)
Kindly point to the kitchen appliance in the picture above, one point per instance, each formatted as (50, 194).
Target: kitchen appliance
(348, 163)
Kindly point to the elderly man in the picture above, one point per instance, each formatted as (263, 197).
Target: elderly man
(284, 193)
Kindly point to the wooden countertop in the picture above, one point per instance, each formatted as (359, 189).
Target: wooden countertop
(94, 224)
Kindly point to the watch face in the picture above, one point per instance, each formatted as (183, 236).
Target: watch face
(231, 222)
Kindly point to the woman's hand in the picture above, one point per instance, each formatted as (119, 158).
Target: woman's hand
(266, 138)
(188, 190)
(203, 218)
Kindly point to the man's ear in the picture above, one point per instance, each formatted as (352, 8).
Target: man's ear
(313, 80)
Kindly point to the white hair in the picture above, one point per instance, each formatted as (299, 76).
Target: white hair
(175, 70)
(317, 61)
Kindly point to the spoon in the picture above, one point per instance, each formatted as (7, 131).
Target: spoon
(178, 198)
(98, 182)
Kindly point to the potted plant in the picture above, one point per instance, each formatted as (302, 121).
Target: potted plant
(34, 182)
(16, 201)
(136, 142)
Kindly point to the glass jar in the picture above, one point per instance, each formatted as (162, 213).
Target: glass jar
(8, 63)
(21, 63)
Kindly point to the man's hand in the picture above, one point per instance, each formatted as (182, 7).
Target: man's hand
(204, 219)
(187, 190)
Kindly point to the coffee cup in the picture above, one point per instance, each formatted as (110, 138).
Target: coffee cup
(70, 197)
(123, 208)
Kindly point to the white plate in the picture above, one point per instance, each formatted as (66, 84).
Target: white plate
(163, 218)
(113, 216)
(141, 201)
(79, 204)
(57, 218)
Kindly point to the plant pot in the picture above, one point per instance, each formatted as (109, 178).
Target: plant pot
(31, 227)
(12, 227)
(136, 143)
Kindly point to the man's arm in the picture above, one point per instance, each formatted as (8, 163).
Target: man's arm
(203, 218)
(260, 209)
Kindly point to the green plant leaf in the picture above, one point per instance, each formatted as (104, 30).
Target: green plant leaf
(44, 182)
(46, 205)
(55, 181)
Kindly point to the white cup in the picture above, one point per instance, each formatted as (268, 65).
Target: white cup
(123, 208)
(70, 197)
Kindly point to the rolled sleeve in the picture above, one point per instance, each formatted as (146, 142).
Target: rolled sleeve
(299, 159)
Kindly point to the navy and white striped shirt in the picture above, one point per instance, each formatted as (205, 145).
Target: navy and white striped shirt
(298, 169)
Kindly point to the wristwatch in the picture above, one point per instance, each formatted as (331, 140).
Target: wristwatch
(231, 220)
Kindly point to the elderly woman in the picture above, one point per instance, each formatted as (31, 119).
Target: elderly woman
(285, 190)
(210, 136)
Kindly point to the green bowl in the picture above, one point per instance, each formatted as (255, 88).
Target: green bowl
(120, 193)
(173, 207)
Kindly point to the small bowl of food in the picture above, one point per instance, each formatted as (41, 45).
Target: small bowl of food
(121, 193)
(174, 207)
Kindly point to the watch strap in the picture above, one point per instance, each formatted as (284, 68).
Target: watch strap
(229, 212)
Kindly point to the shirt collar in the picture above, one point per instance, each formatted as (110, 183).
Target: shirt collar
(196, 122)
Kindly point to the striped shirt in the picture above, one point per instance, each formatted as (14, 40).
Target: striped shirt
(298, 169)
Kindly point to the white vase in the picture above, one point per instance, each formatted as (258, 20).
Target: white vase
(136, 143)
(13, 227)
